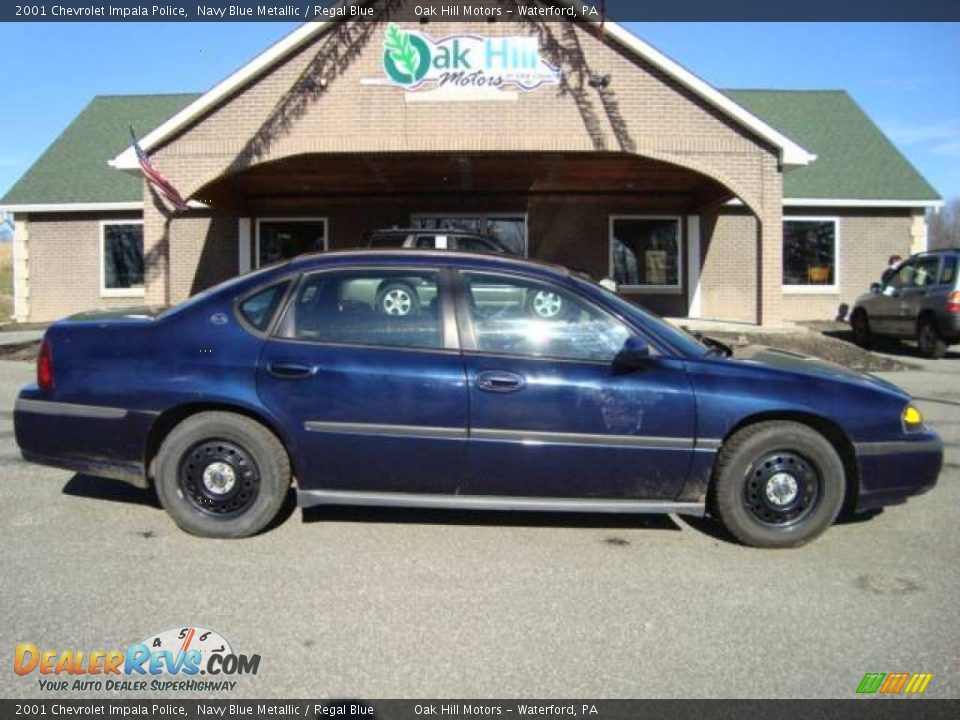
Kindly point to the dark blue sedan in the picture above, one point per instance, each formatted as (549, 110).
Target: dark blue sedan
(441, 379)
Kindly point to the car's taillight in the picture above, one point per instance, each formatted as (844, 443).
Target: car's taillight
(953, 302)
(45, 366)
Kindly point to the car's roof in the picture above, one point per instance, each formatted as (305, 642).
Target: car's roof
(414, 256)
(939, 251)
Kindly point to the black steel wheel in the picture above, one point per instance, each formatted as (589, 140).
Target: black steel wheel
(777, 484)
(219, 478)
(781, 488)
(224, 475)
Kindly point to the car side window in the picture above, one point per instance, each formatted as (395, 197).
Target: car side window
(474, 245)
(926, 272)
(513, 316)
(903, 277)
(948, 273)
(368, 307)
(258, 309)
(426, 242)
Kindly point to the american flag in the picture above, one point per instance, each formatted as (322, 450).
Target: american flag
(156, 178)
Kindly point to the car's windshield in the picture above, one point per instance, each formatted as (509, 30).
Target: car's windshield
(677, 338)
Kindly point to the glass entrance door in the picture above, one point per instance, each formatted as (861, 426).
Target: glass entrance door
(283, 238)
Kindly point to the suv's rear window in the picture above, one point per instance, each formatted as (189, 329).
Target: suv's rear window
(948, 273)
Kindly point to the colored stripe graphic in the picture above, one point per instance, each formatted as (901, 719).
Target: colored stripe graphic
(894, 683)
(918, 683)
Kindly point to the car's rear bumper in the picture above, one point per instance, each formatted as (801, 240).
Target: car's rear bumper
(891, 472)
(103, 441)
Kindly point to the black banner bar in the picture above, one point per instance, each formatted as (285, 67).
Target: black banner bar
(482, 10)
(873, 709)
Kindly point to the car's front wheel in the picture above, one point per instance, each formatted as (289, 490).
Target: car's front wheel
(222, 475)
(777, 484)
(860, 325)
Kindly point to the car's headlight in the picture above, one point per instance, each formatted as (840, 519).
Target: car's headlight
(912, 419)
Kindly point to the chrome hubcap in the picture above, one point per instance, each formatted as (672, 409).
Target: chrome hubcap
(547, 304)
(397, 302)
(219, 478)
(781, 489)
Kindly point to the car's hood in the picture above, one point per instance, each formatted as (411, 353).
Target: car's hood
(808, 365)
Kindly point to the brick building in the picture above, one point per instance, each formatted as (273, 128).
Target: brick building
(573, 144)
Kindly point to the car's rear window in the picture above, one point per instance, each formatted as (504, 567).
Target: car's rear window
(259, 308)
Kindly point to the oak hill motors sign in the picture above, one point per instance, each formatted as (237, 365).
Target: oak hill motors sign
(414, 61)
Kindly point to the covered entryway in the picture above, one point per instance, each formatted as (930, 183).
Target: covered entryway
(616, 215)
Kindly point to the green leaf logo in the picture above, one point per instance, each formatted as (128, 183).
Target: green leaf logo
(406, 56)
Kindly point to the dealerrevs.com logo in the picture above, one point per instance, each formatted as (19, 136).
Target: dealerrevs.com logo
(169, 661)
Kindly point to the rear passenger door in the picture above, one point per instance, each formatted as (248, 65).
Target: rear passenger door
(913, 296)
(365, 373)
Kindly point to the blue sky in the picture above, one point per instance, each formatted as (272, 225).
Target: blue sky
(906, 76)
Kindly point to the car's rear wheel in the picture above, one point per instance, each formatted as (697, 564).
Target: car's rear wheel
(777, 484)
(397, 299)
(929, 342)
(860, 325)
(222, 475)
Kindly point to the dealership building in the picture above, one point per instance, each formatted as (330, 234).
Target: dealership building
(572, 142)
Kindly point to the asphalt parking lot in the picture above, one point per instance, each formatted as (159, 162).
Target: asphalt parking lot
(378, 604)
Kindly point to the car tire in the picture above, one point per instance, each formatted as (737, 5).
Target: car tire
(777, 484)
(929, 342)
(397, 299)
(860, 324)
(222, 475)
(545, 304)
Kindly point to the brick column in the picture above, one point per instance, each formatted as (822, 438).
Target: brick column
(156, 250)
(770, 247)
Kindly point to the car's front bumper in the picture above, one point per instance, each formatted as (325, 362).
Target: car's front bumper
(891, 472)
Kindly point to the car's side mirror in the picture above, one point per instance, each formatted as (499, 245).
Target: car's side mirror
(875, 288)
(634, 354)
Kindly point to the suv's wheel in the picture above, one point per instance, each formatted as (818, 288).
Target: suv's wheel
(222, 475)
(929, 342)
(545, 304)
(397, 298)
(860, 324)
(777, 484)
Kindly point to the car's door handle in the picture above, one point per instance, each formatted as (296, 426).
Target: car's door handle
(290, 371)
(496, 381)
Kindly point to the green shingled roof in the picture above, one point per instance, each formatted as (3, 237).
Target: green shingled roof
(74, 168)
(855, 160)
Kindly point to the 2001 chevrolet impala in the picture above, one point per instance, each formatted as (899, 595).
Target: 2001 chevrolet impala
(440, 379)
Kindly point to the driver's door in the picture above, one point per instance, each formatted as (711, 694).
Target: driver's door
(549, 414)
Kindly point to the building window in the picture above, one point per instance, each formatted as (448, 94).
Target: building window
(121, 259)
(280, 239)
(509, 230)
(810, 254)
(645, 252)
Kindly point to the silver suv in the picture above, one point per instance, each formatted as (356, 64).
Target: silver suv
(919, 299)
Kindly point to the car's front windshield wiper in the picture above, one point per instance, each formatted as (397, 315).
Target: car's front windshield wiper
(714, 346)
